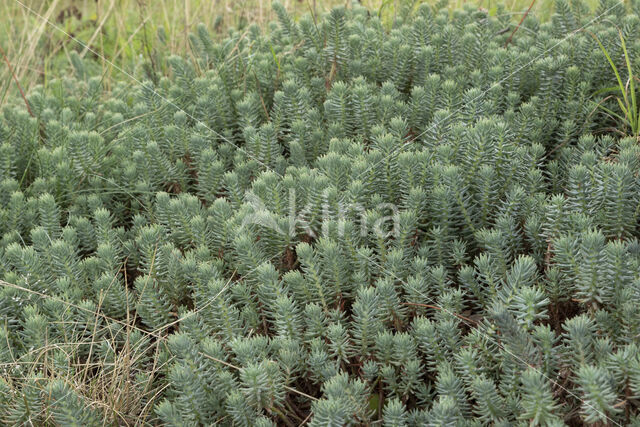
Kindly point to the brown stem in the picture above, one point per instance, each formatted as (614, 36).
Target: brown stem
(306, 419)
(15, 78)
(519, 23)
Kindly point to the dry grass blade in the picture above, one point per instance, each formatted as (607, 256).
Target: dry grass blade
(98, 29)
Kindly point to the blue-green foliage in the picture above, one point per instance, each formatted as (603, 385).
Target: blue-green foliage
(338, 220)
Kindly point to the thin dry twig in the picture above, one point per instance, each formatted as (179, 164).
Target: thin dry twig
(519, 23)
(15, 78)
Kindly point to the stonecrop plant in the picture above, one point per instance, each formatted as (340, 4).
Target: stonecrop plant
(334, 222)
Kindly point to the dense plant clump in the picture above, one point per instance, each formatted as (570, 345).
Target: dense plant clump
(334, 223)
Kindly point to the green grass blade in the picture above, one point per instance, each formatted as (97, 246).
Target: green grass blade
(633, 114)
(605, 90)
(614, 68)
(611, 113)
(275, 57)
(624, 110)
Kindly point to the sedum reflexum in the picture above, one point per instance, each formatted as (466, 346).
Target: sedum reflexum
(336, 221)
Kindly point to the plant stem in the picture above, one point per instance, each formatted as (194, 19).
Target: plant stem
(519, 23)
(15, 78)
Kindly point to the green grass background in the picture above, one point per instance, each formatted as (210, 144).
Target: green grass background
(123, 31)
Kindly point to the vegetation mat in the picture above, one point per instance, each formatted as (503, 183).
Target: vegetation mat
(335, 223)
